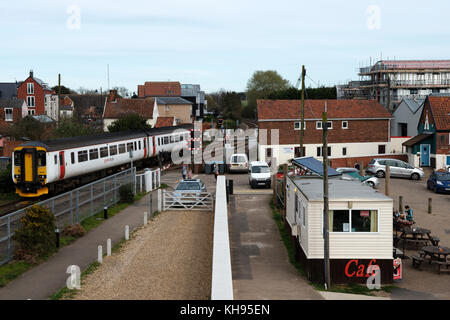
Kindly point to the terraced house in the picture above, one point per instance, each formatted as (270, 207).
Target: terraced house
(358, 130)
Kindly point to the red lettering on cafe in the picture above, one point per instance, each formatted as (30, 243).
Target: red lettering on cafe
(354, 269)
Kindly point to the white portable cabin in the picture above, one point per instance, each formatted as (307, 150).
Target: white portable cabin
(361, 225)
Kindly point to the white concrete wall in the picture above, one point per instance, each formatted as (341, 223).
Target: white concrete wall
(396, 144)
(284, 153)
(222, 281)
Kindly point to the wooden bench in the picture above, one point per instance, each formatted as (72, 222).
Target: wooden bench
(417, 261)
(441, 264)
(435, 240)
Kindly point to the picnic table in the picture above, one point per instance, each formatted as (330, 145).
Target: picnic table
(438, 255)
(418, 236)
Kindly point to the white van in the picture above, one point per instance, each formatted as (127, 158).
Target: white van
(238, 162)
(259, 174)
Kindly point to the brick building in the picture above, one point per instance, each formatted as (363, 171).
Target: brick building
(357, 130)
(431, 147)
(39, 97)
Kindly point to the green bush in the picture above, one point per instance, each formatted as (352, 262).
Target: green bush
(6, 181)
(36, 236)
(126, 193)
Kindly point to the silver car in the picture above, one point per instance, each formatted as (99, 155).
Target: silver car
(353, 174)
(398, 168)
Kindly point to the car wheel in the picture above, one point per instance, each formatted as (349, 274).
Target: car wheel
(380, 174)
(370, 183)
(415, 176)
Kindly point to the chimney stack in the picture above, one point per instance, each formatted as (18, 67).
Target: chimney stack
(112, 95)
(31, 73)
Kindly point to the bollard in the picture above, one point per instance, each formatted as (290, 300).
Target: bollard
(100, 254)
(57, 237)
(429, 206)
(400, 204)
(387, 180)
(105, 212)
(151, 205)
(127, 232)
(108, 247)
(361, 169)
(145, 218)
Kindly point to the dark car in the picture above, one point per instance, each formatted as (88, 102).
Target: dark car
(439, 182)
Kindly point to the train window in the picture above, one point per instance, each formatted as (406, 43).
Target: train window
(122, 148)
(171, 139)
(166, 140)
(72, 157)
(93, 154)
(41, 159)
(112, 150)
(139, 142)
(17, 158)
(56, 159)
(103, 152)
(135, 146)
(129, 146)
(82, 156)
(61, 160)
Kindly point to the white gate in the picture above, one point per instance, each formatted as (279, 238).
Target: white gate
(175, 200)
(148, 181)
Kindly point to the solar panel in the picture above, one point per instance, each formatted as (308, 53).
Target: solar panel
(315, 166)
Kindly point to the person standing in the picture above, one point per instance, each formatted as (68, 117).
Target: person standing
(357, 166)
(216, 170)
(184, 171)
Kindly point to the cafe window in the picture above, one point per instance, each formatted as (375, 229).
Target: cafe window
(353, 220)
(82, 156)
(103, 152)
(112, 150)
(122, 148)
(93, 154)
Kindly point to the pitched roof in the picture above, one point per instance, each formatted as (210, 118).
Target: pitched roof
(143, 107)
(414, 104)
(172, 100)
(440, 108)
(161, 88)
(337, 109)
(8, 90)
(164, 122)
(11, 103)
(416, 139)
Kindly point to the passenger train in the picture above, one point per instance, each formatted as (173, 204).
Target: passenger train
(49, 166)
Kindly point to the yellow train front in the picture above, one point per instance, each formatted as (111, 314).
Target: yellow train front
(30, 171)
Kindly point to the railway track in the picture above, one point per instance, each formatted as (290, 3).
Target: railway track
(16, 205)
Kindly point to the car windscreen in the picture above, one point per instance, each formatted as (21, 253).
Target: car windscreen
(356, 175)
(443, 177)
(238, 159)
(260, 169)
(188, 186)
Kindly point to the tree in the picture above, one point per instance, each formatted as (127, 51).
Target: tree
(122, 91)
(64, 90)
(130, 121)
(28, 128)
(311, 93)
(261, 85)
(70, 127)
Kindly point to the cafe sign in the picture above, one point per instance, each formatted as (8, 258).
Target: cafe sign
(355, 269)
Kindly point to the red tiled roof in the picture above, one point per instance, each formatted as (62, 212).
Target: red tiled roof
(440, 108)
(336, 109)
(164, 122)
(143, 107)
(160, 89)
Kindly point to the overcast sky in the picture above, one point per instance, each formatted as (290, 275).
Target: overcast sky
(217, 44)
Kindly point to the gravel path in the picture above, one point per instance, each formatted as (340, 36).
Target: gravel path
(170, 258)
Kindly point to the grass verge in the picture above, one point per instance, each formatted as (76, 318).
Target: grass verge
(351, 288)
(13, 269)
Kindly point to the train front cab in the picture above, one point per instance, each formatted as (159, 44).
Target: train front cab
(30, 171)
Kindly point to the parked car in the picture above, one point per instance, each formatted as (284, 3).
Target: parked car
(188, 189)
(238, 163)
(439, 182)
(259, 174)
(398, 168)
(354, 174)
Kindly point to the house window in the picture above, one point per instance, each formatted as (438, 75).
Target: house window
(30, 101)
(319, 125)
(112, 150)
(8, 114)
(344, 124)
(297, 151)
(382, 149)
(353, 221)
(30, 88)
(269, 153)
(30, 112)
(344, 151)
(320, 153)
(297, 125)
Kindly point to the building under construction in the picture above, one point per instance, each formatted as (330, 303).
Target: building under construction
(391, 81)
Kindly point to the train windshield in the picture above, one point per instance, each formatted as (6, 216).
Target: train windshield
(17, 158)
(41, 159)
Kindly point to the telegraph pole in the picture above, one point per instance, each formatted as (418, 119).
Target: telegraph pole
(302, 118)
(326, 234)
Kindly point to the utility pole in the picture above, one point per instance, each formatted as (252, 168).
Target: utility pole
(326, 234)
(302, 118)
(389, 94)
(59, 95)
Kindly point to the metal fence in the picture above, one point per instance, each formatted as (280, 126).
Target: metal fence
(69, 208)
(188, 200)
(279, 190)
